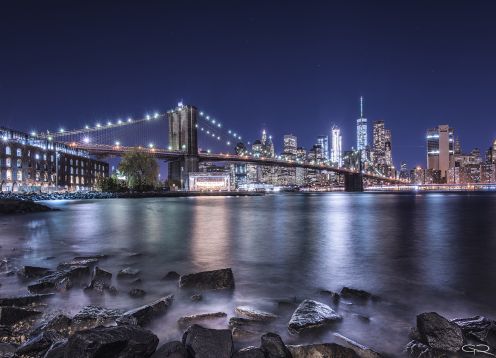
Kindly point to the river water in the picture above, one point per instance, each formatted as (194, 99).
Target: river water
(417, 252)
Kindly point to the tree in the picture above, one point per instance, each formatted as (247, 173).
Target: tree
(140, 169)
(110, 184)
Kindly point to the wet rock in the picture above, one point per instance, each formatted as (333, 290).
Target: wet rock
(208, 280)
(34, 271)
(478, 327)
(57, 279)
(171, 275)
(273, 346)
(360, 350)
(13, 206)
(146, 313)
(23, 300)
(92, 257)
(416, 349)
(187, 320)
(196, 298)
(361, 317)
(354, 293)
(252, 313)
(439, 333)
(137, 282)
(78, 262)
(137, 292)
(173, 349)
(59, 323)
(245, 328)
(40, 343)
(101, 280)
(91, 316)
(112, 342)
(64, 284)
(311, 314)
(208, 343)
(323, 350)
(10, 315)
(127, 273)
(249, 352)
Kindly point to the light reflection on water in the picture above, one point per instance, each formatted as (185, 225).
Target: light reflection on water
(417, 252)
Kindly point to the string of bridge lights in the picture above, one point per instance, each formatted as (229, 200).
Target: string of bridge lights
(208, 130)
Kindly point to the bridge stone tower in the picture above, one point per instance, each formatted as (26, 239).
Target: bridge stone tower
(183, 138)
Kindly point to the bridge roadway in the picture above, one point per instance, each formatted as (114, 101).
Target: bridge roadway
(159, 153)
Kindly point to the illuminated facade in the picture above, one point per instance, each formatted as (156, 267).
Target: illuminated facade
(336, 146)
(440, 149)
(215, 181)
(323, 142)
(362, 140)
(29, 163)
(290, 145)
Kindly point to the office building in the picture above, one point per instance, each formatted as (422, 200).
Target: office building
(362, 140)
(323, 141)
(290, 144)
(336, 146)
(440, 149)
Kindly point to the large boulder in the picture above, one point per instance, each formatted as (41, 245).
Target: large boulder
(144, 314)
(353, 293)
(112, 342)
(59, 323)
(128, 272)
(311, 314)
(33, 271)
(439, 333)
(10, 315)
(479, 328)
(208, 280)
(323, 350)
(208, 343)
(187, 320)
(273, 346)
(173, 349)
(58, 279)
(101, 280)
(253, 313)
(416, 349)
(23, 300)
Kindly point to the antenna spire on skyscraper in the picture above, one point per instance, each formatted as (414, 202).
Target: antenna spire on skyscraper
(361, 106)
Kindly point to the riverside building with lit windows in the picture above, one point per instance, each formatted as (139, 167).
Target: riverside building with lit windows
(29, 163)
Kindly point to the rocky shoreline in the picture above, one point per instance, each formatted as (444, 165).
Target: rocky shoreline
(93, 195)
(13, 206)
(28, 330)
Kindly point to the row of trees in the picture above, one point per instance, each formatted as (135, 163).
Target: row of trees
(140, 170)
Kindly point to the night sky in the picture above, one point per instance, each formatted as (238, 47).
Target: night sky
(289, 67)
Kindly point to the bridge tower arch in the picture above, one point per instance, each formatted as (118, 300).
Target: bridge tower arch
(183, 137)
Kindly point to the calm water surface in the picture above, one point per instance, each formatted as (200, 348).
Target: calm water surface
(426, 252)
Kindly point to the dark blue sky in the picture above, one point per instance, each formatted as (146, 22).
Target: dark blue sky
(290, 67)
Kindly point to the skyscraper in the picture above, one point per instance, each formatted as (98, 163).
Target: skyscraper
(290, 144)
(379, 143)
(440, 149)
(323, 141)
(336, 146)
(362, 140)
(388, 151)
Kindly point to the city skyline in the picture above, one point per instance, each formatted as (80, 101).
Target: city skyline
(252, 75)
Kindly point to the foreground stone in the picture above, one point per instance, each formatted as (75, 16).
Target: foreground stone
(39, 344)
(21, 207)
(187, 320)
(23, 300)
(439, 333)
(144, 314)
(59, 323)
(208, 280)
(128, 272)
(59, 279)
(101, 280)
(78, 262)
(112, 342)
(273, 346)
(92, 316)
(324, 350)
(243, 328)
(171, 275)
(252, 313)
(249, 352)
(208, 343)
(311, 314)
(360, 350)
(33, 271)
(173, 349)
(479, 328)
(348, 292)
(10, 315)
